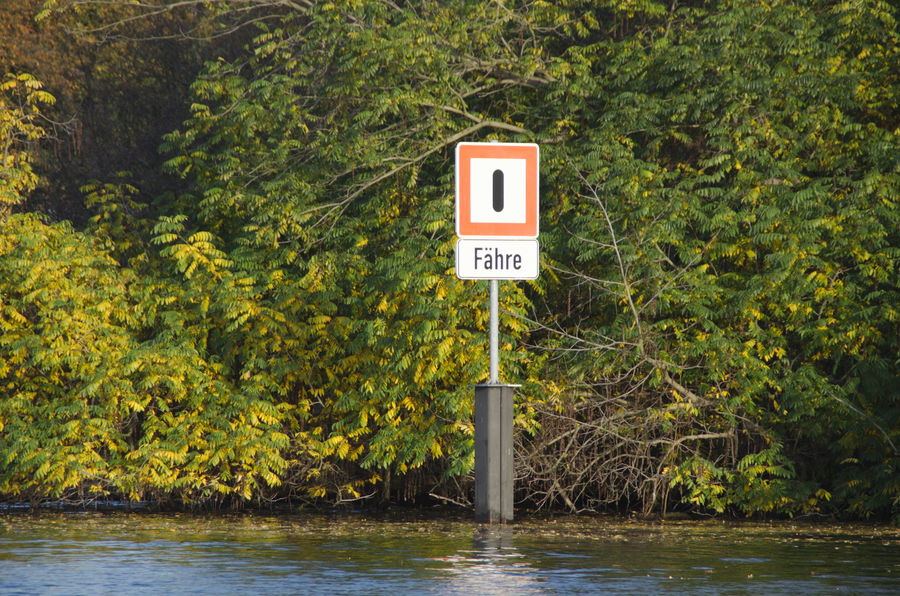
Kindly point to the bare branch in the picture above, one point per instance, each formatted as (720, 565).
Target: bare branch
(339, 206)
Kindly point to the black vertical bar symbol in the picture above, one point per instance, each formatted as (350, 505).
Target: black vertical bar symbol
(498, 190)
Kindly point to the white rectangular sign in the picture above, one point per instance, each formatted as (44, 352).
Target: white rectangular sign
(497, 259)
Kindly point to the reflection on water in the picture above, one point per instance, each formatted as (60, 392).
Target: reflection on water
(152, 554)
(491, 566)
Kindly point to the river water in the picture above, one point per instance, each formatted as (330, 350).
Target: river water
(95, 553)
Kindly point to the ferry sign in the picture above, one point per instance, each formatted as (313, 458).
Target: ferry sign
(497, 190)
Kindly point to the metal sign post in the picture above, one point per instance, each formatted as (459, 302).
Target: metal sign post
(495, 333)
(497, 226)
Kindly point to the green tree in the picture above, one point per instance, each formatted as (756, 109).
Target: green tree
(105, 387)
(715, 325)
(328, 190)
(732, 250)
(21, 100)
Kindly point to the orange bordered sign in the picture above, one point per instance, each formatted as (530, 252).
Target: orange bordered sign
(497, 190)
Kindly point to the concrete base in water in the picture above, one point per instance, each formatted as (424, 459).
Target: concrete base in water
(494, 453)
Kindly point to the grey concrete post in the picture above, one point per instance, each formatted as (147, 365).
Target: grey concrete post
(493, 453)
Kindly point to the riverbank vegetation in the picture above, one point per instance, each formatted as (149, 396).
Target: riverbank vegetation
(226, 252)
